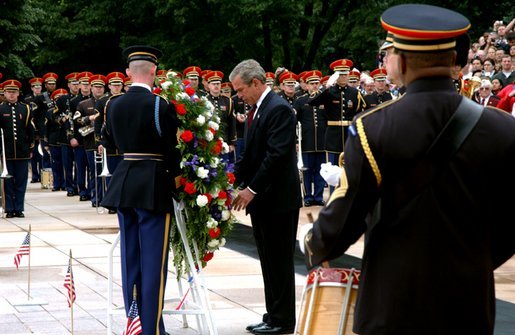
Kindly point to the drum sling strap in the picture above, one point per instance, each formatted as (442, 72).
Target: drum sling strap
(437, 157)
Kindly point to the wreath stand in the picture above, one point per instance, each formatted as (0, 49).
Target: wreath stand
(198, 305)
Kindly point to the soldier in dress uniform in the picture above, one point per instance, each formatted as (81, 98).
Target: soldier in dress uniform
(288, 81)
(438, 219)
(341, 103)
(390, 61)
(205, 89)
(36, 86)
(142, 186)
(127, 82)
(380, 93)
(323, 81)
(16, 124)
(226, 89)
(161, 75)
(192, 73)
(115, 83)
(313, 126)
(302, 89)
(354, 78)
(56, 135)
(270, 79)
(225, 111)
(63, 120)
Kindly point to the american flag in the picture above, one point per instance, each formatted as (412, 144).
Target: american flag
(23, 250)
(133, 322)
(70, 285)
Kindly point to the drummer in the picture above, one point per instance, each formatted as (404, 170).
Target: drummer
(436, 229)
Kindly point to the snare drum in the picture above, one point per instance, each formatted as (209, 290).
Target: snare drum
(46, 178)
(328, 302)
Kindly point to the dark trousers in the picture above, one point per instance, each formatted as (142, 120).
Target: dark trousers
(313, 182)
(16, 186)
(95, 190)
(81, 163)
(240, 147)
(275, 235)
(57, 167)
(68, 159)
(144, 237)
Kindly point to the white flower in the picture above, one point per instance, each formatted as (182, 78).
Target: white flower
(208, 135)
(215, 192)
(182, 96)
(213, 244)
(211, 223)
(214, 162)
(210, 106)
(222, 242)
(171, 74)
(213, 125)
(201, 120)
(202, 172)
(201, 200)
(216, 119)
(225, 148)
(226, 215)
(166, 84)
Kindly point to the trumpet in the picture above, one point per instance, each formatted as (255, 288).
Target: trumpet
(5, 174)
(101, 159)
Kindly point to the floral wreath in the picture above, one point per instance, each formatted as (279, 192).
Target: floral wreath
(206, 181)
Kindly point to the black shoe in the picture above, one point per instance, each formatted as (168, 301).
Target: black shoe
(63, 188)
(93, 204)
(319, 203)
(256, 325)
(111, 211)
(35, 181)
(84, 198)
(308, 203)
(267, 329)
(56, 189)
(19, 214)
(71, 194)
(9, 215)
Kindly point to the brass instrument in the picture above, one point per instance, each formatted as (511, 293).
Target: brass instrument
(101, 159)
(86, 130)
(471, 87)
(5, 174)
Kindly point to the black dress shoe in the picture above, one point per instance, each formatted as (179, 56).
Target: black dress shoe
(9, 215)
(256, 325)
(319, 203)
(112, 211)
(71, 194)
(267, 329)
(19, 214)
(93, 204)
(84, 198)
(35, 181)
(308, 203)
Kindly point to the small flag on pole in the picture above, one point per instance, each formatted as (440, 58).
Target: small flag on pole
(69, 284)
(133, 322)
(24, 249)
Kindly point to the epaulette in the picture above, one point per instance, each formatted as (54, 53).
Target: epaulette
(164, 98)
(360, 128)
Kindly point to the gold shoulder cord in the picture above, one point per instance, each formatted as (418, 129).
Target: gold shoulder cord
(368, 152)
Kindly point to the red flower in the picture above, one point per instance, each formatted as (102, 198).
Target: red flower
(231, 177)
(215, 232)
(189, 91)
(187, 136)
(183, 181)
(190, 188)
(174, 102)
(181, 110)
(158, 90)
(222, 195)
(185, 82)
(212, 131)
(202, 143)
(217, 147)
(228, 202)
(208, 256)
(209, 197)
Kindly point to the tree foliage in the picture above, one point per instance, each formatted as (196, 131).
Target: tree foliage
(65, 36)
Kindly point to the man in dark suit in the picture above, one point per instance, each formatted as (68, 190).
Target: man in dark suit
(143, 127)
(270, 192)
(441, 222)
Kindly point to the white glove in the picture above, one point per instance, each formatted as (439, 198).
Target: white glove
(303, 231)
(331, 173)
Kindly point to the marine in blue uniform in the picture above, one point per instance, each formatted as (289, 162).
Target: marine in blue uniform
(442, 222)
(16, 122)
(142, 185)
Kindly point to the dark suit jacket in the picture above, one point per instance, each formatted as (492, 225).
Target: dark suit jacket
(131, 128)
(269, 164)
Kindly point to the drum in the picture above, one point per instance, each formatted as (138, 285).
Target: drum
(46, 178)
(328, 302)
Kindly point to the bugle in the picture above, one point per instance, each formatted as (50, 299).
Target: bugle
(5, 174)
(101, 159)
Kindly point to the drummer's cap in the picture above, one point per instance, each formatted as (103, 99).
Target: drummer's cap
(142, 52)
(424, 28)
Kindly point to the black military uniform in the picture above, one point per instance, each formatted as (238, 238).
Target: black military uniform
(377, 98)
(442, 223)
(288, 78)
(18, 131)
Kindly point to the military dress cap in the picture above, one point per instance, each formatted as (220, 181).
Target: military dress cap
(226, 87)
(192, 72)
(72, 77)
(378, 74)
(36, 81)
(57, 93)
(270, 76)
(341, 65)
(324, 80)
(354, 76)
(424, 28)
(50, 78)
(388, 42)
(288, 78)
(161, 74)
(97, 80)
(311, 76)
(301, 75)
(203, 73)
(84, 77)
(127, 81)
(115, 78)
(214, 76)
(11, 85)
(142, 52)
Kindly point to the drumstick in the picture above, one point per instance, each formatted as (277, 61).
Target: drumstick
(312, 220)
